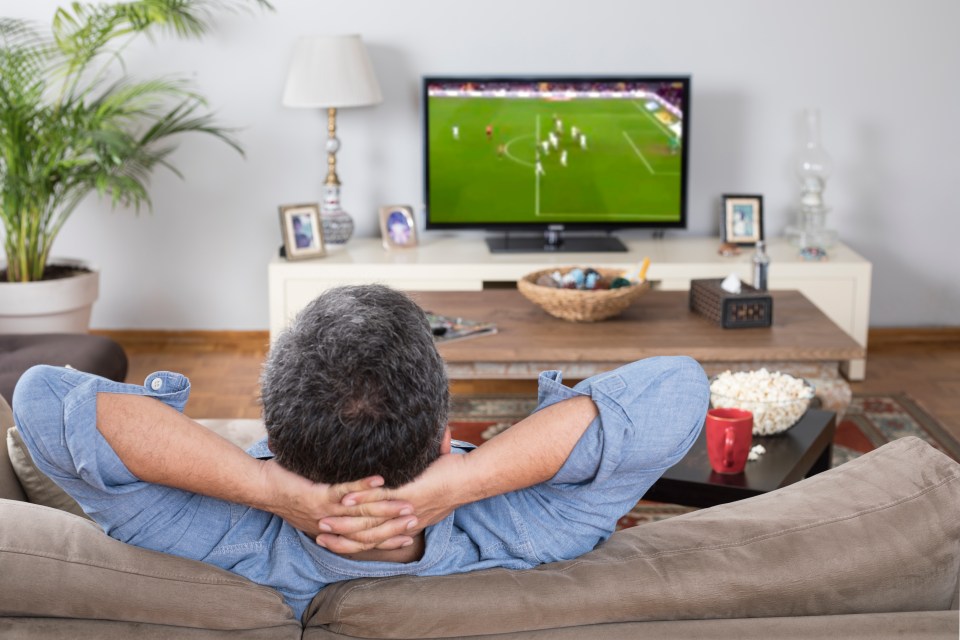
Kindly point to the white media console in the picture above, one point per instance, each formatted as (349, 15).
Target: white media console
(839, 286)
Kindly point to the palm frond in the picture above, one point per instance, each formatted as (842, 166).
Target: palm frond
(181, 119)
(129, 100)
(67, 128)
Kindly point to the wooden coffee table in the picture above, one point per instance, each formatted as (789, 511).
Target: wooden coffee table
(802, 341)
(802, 451)
(658, 323)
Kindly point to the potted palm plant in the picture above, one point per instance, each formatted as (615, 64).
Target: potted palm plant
(72, 123)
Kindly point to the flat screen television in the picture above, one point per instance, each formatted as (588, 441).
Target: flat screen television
(534, 157)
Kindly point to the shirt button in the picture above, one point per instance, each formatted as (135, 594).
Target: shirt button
(156, 384)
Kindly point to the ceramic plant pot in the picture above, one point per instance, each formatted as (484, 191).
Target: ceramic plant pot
(61, 305)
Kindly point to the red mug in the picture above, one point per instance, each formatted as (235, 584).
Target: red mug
(729, 438)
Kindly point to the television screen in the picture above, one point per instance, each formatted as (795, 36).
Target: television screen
(568, 153)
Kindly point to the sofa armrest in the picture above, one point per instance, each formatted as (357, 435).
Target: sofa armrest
(878, 534)
(10, 488)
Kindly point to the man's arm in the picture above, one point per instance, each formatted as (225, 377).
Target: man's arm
(652, 412)
(530, 452)
(159, 444)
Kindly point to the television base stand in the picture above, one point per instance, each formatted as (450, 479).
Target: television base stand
(555, 243)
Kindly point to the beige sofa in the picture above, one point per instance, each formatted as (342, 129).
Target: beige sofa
(867, 550)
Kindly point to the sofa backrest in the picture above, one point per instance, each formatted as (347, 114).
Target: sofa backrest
(878, 534)
(10, 488)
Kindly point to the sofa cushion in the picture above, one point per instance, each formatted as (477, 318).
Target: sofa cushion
(79, 629)
(39, 488)
(65, 566)
(10, 488)
(928, 625)
(878, 534)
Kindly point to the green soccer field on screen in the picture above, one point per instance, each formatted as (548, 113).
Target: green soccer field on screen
(550, 161)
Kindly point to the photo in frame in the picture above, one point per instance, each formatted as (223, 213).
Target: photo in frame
(742, 219)
(398, 227)
(301, 230)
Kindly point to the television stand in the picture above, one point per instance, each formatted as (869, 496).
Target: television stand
(555, 241)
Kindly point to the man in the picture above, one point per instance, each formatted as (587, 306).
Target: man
(355, 393)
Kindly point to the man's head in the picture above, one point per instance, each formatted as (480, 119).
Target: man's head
(355, 387)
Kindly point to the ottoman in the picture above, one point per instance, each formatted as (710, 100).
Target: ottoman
(94, 354)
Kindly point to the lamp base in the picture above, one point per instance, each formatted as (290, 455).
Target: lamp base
(337, 227)
(337, 223)
(811, 230)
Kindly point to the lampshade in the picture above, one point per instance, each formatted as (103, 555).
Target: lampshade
(331, 71)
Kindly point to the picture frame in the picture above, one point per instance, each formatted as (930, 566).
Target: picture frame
(302, 231)
(398, 226)
(742, 219)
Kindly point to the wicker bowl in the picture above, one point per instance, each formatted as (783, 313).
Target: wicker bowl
(578, 305)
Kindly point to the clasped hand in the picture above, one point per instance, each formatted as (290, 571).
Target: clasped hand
(356, 516)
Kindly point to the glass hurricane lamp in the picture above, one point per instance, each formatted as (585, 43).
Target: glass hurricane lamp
(813, 166)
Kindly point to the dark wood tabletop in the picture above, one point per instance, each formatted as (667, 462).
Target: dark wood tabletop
(802, 451)
(657, 323)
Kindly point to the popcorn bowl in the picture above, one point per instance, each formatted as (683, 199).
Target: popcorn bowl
(776, 400)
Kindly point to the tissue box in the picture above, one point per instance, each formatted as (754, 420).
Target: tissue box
(749, 308)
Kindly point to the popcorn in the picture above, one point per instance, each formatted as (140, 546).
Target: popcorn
(776, 400)
(756, 451)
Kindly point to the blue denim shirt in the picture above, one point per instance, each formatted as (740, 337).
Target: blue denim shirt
(650, 413)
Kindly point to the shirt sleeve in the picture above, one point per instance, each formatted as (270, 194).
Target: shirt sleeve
(55, 412)
(650, 414)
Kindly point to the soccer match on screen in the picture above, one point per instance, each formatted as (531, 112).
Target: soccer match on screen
(554, 152)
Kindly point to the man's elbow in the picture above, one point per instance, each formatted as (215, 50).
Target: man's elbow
(39, 393)
(34, 384)
(671, 403)
(690, 389)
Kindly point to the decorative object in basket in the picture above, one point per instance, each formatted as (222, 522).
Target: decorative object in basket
(566, 293)
(776, 400)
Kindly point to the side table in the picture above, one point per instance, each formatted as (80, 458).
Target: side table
(801, 452)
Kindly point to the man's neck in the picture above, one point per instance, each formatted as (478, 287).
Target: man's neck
(410, 553)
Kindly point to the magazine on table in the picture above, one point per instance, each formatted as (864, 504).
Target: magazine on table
(447, 328)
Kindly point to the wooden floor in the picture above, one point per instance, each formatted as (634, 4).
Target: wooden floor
(224, 369)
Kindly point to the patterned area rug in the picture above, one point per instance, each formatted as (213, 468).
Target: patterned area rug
(870, 421)
(874, 420)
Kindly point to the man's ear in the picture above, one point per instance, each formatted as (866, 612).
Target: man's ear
(445, 443)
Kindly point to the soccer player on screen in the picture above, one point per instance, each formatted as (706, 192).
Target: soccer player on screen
(489, 131)
(674, 144)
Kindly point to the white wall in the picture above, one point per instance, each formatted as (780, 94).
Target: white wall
(883, 72)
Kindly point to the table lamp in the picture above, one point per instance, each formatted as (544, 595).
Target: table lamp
(331, 72)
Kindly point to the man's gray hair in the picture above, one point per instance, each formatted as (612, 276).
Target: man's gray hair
(355, 387)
